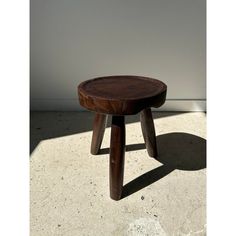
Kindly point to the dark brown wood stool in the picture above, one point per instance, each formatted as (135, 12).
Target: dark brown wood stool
(119, 96)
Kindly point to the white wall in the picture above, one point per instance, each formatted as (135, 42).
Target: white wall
(75, 40)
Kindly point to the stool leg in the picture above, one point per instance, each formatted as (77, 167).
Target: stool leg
(117, 153)
(148, 130)
(99, 126)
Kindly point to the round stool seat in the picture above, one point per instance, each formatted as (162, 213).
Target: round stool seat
(121, 95)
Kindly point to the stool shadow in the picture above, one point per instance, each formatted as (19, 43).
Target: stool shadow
(145, 180)
(180, 151)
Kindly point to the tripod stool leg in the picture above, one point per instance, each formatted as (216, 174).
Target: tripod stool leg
(99, 125)
(117, 153)
(148, 131)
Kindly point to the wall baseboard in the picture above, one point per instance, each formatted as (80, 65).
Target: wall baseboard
(73, 105)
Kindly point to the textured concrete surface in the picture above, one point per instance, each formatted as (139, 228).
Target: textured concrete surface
(69, 186)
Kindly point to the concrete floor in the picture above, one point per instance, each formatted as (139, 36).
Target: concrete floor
(70, 188)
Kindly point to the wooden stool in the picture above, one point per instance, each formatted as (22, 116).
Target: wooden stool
(119, 96)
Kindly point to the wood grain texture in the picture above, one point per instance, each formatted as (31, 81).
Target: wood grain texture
(99, 125)
(148, 131)
(121, 95)
(117, 153)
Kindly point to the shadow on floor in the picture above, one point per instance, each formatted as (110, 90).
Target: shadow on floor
(48, 125)
(180, 151)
